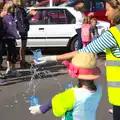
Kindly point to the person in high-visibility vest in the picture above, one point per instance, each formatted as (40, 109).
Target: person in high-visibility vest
(110, 42)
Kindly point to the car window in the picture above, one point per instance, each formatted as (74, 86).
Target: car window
(70, 18)
(52, 16)
(56, 16)
(38, 18)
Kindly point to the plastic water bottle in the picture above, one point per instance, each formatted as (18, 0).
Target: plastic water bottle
(37, 54)
(33, 100)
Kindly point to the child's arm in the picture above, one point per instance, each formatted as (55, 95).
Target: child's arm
(60, 104)
(46, 107)
(63, 102)
(92, 35)
(41, 108)
(97, 31)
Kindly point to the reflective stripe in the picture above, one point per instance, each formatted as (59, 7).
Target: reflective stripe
(118, 27)
(114, 84)
(112, 63)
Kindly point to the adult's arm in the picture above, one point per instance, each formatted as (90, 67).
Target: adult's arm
(66, 55)
(10, 27)
(1, 19)
(1, 23)
(106, 40)
(28, 17)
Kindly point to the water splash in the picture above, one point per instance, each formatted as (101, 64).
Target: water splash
(15, 98)
(38, 72)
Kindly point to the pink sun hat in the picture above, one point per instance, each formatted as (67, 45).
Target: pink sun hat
(83, 66)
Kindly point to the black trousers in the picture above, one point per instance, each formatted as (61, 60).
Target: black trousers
(24, 36)
(79, 38)
(116, 112)
(11, 50)
(2, 46)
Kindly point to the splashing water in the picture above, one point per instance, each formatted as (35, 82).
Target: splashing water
(38, 72)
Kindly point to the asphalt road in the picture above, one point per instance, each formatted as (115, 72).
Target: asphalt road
(13, 98)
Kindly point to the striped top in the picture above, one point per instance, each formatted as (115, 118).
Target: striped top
(106, 40)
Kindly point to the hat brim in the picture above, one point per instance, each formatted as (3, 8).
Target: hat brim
(93, 76)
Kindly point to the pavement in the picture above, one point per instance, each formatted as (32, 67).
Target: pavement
(14, 97)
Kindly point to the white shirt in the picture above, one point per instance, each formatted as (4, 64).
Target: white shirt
(86, 103)
(79, 18)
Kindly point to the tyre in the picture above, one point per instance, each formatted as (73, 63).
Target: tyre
(74, 44)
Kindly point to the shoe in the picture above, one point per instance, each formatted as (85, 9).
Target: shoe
(8, 71)
(110, 111)
(2, 68)
(12, 72)
(15, 73)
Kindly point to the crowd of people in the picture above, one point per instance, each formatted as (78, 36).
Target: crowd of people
(79, 68)
(14, 24)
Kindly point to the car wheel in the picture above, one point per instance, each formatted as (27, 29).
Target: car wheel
(74, 44)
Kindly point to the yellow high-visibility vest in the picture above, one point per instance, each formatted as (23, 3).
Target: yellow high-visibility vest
(113, 70)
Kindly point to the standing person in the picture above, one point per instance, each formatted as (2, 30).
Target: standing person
(22, 20)
(2, 14)
(109, 41)
(78, 6)
(85, 31)
(10, 36)
(77, 103)
(94, 29)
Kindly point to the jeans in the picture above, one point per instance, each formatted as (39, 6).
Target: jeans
(116, 112)
(79, 38)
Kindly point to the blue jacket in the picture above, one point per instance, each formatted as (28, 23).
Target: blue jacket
(9, 25)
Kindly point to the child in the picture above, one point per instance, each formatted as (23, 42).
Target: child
(10, 36)
(94, 29)
(2, 14)
(85, 31)
(77, 103)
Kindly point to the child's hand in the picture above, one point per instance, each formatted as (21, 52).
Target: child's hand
(91, 14)
(35, 110)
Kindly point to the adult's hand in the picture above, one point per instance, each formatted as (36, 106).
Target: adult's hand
(48, 58)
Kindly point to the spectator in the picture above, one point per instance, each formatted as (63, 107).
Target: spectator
(22, 20)
(2, 14)
(35, 15)
(10, 34)
(78, 10)
(85, 31)
(78, 103)
(94, 29)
